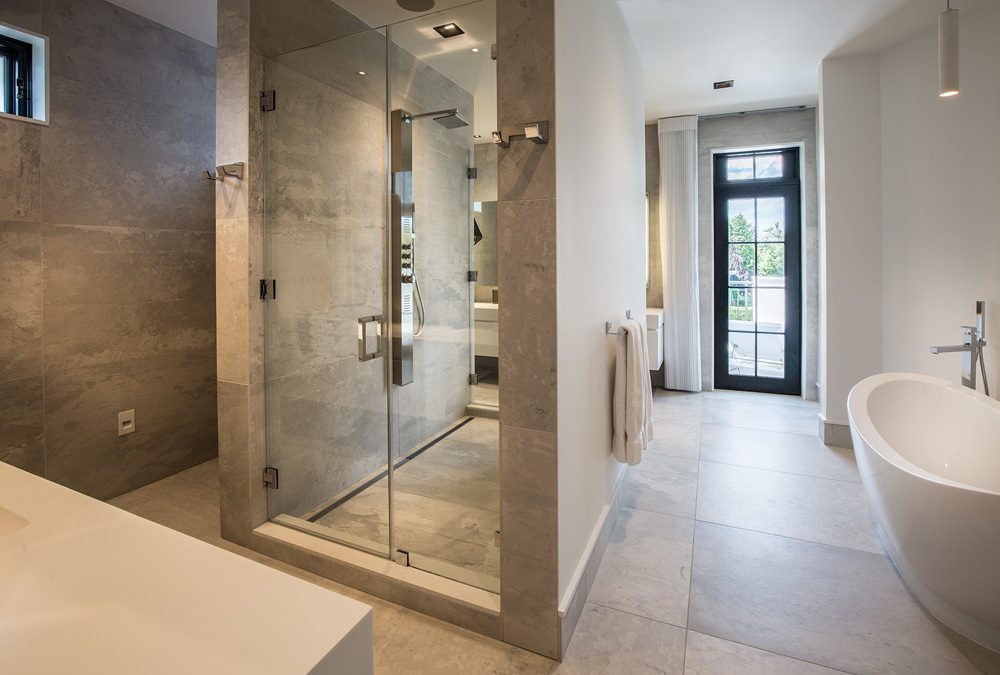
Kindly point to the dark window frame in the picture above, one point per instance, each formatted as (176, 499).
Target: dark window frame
(17, 77)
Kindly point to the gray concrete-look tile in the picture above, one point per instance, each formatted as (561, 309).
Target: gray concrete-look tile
(815, 509)
(22, 440)
(608, 641)
(677, 406)
(20, 171)
(760, 414)
(778, 451)
(828, 605)
(675, 437)
(21, 302)
(707, 655)
(646, 568)
(665, 484)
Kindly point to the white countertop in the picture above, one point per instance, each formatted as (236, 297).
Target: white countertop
(88, 588)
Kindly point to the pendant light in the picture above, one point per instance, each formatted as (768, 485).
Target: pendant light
(948, 52)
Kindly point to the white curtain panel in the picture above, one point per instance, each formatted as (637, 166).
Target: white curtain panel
(679, 251)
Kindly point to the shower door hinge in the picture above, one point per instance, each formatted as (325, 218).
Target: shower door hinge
(473, 378)
(270, 477)
(267, 103)
(472, 173)
(268, 287)
(473, 275)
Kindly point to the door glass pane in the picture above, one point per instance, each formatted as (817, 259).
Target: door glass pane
(742, 354)
(741, 264)
(771, 216)
(770, 355)
(446, 488)
(767, 166)
(741, 219)
(770, 265)
(327, 415)
(771, 310)
(741, 309)
(739, 168)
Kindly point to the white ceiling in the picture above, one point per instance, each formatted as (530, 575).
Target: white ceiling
(771, 48)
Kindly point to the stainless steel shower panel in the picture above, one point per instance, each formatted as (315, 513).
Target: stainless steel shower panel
(401, 251)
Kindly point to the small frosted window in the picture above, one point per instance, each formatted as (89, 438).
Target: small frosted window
(767, 166)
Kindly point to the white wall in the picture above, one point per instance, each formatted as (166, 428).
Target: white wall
(600, 183)
(910, 221)
(850, 229)
(940, 211)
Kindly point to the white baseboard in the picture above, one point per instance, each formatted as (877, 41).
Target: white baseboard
(837, 434)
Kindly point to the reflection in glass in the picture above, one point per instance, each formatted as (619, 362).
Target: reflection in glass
(771, 216)
(770, 355)
(768, 166)
(741, 219)
(742, 354)
(739, 168)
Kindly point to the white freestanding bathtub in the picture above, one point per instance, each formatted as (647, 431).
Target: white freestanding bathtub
(929, 456)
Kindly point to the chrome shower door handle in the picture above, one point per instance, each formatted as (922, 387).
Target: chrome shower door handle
(363, 322)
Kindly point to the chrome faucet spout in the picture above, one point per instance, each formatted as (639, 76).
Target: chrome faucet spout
(973, 345)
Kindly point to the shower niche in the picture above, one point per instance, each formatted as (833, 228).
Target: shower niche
(370, 351)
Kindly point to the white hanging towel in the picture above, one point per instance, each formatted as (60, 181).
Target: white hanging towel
(633, 398)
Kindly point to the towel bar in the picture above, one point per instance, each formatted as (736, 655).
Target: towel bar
(608, 325)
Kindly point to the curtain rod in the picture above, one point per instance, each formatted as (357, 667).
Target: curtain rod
(756, 112)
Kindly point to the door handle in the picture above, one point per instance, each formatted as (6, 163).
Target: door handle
(363, 353)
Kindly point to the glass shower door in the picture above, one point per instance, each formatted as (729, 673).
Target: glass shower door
(325, 242)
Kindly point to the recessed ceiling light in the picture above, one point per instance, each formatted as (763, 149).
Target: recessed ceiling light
(475, 50)
(449, 30)
(724, 84)
(361, 72)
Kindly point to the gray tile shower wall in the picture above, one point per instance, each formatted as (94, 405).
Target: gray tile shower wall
(107, 239)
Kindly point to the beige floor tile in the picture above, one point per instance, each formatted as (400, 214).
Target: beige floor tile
(815, 509)
(608, 642)
(707, 655)
(646, 568)
(776, 450)
(664, 484)
(833, 606)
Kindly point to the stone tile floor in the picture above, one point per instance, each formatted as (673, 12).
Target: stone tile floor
(746, 549)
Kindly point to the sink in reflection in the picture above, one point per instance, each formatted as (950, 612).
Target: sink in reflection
(10, 522)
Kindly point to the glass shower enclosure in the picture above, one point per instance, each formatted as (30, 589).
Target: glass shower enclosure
(368, 317)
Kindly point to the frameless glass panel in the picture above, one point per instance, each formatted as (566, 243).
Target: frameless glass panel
(741, 309)
(741, 220)
(741, 264)
(742, 353)
(770, 355)
(739, 168)
(327, 404)
(767, 166)
(770, 310)
(446, 506)
(771, 219)
(770, 265)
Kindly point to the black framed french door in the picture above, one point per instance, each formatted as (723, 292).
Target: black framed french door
(758, 271)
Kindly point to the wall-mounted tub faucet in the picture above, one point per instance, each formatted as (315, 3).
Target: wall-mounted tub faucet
(972, 347)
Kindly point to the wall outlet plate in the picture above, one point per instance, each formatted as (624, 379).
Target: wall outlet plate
(126, 422)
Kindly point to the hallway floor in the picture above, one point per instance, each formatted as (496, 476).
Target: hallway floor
(746, 548)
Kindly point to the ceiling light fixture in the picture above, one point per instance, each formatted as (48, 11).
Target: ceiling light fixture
(475, 50)
(723, 84)
(361, 72)
(449, 30)
(948, 52)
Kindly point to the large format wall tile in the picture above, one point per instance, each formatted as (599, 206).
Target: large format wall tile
(20, 172)
(21, 301)
(113, 50)
(527, 245)
(175, 422)
(22, 442)
(111, 160)
(529, 545)
(25, 14)
(234, 462)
